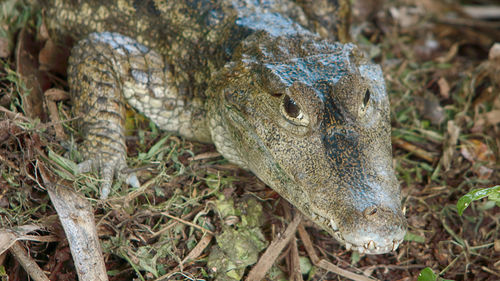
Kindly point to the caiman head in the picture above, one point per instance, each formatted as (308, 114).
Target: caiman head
(311, 119)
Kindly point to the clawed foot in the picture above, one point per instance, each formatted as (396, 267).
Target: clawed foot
(109, 169)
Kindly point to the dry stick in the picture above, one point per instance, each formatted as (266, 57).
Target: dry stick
(14, 115)
(206, 155)
(204, 230)
(46, 238)
(29, 265)
(172, 224)
(50, 98)
(272, 252)
(77, 218)
(295, 272)
(324, 263)
(417, 151)
(197, 250)
(482, 12)
(308, 244)
(195, 253)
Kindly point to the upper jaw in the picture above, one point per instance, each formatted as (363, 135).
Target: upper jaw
(371, 247)
(368, 243)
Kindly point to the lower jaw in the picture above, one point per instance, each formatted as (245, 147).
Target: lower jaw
(363, 249)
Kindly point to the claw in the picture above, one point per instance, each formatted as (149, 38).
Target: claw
(395, 245)
(133, 181)
(109, 170)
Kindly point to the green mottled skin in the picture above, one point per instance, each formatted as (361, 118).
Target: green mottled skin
(308, 115)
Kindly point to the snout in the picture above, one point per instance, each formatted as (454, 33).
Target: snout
(377, 230)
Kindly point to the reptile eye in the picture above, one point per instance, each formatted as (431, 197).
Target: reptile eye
(291, 108)
(292, 112)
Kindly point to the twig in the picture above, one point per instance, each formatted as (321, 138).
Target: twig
(46, 238)
(51, 96)
(14, 115)
(417, 151)
(491, 271)
(188, 223)
(172, 224)
(469, 23)
(77, 218)
(29, 265)
(206, 155)
(272, 252)
(197, 250)
(295, 272)
(324, 263)
(308, 244)
(482, 12)
(393, 266)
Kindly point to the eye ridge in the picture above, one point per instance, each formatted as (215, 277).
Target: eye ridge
(291, 107)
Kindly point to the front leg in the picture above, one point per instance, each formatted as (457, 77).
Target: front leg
(105, 71)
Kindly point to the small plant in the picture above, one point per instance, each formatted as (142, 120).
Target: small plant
(428, 275)
(493, 194)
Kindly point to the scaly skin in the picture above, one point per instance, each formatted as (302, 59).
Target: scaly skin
(309, 116)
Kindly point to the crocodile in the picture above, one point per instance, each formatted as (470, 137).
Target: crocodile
(272, 84)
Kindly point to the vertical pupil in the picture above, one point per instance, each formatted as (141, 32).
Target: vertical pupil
(291, 108)
(367, 97)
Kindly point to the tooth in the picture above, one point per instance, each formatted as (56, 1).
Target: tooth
(348, 246)
(371, 245)
(395, 245)
(333, 225)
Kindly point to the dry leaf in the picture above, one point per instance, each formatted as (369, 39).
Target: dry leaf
(7, 239)
(430, 109)
(405, 16)
(54, 57)
(483, 172)
(444, 88)
(9, 236)
(492, 117)
(488, 118)
(35, 81)
(477, 151)
(494, 52)
(494, 63)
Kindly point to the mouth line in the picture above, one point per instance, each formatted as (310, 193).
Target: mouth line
(370, 247)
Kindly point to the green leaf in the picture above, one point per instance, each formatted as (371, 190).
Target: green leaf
(155, 149)
(427, 275)
(492, 193)
(65, 163)
(355, 257)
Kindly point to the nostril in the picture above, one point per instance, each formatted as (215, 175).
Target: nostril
(370, 211)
